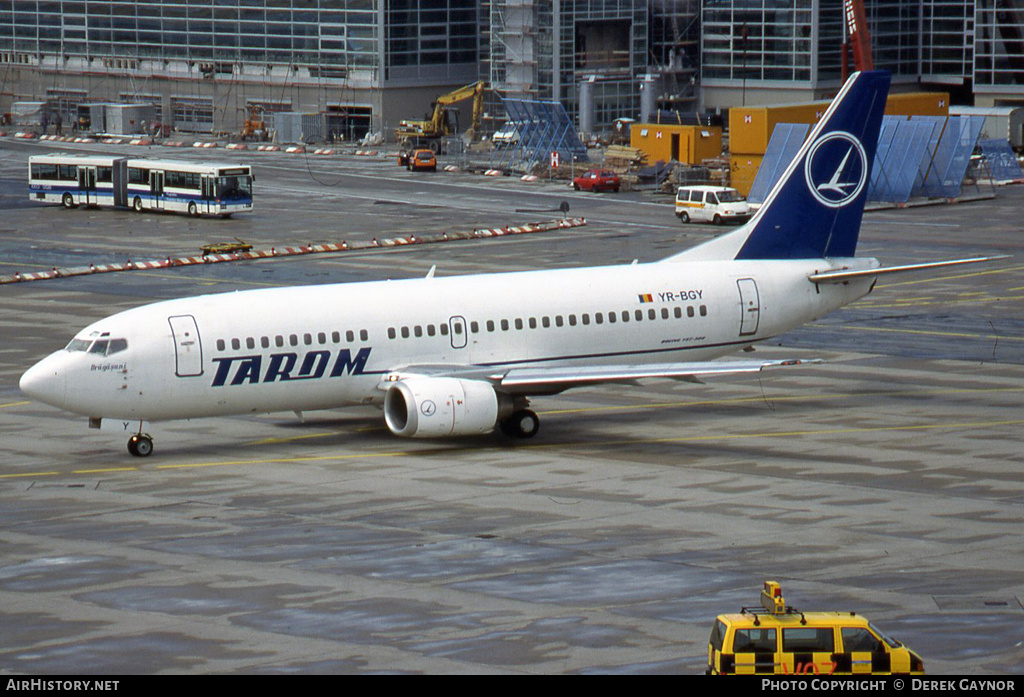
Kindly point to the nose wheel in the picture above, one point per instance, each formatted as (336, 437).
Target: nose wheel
(140, 445)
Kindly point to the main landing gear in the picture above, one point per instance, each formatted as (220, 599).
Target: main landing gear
(521, 424)
(140, 445)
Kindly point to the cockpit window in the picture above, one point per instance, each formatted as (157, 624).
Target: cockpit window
(100, 347)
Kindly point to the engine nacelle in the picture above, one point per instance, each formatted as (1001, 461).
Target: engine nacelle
(436, 407)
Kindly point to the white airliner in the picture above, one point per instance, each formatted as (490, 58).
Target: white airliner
(463, 355)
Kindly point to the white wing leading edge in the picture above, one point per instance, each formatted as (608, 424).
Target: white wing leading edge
(551, 380)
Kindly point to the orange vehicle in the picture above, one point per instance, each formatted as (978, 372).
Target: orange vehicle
(422, 159)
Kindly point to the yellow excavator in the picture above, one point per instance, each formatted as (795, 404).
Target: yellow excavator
(428, 134)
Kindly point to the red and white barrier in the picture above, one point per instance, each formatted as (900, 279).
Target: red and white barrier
(342, 246)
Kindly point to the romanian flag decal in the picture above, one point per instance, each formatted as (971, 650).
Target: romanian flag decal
(646, 298)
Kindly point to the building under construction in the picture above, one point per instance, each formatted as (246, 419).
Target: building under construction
(208, 66)
(602, 60)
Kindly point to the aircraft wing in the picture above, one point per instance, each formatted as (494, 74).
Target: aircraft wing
(551, 380)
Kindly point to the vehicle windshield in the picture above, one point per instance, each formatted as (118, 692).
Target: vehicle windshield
(234, 188)
(884, 637)
(424, 156)
(729, 196)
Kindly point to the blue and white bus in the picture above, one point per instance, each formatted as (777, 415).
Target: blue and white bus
(207, 188)
(74, 180)
(188, 187)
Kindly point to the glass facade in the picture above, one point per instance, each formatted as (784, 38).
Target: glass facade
(328, 37)
(947, 39)
(431, 32)
(285, 32)
(757, 40)
(800, 41)
(999, 45)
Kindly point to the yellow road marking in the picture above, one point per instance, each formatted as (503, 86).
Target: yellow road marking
(30, 474)
(292, 460)
(950, 278)
(786, 434)
(780, 398)
(922, 332)
(14, 404)
(108, 469)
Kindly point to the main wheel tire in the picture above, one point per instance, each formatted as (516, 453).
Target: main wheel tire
(137, 204)
(717, 220)
(522, 424)
(192, 208)
(68, 201)
(684, 217)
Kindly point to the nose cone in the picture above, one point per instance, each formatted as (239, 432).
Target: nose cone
(46, 382)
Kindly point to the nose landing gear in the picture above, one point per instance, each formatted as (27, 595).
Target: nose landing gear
(140, 445)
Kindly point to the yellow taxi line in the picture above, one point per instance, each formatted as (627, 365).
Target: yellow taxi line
(922, 332)
(547, 446)
(780, 398)
(954, 277)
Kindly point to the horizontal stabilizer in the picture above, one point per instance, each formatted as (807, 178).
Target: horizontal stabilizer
(843, 275)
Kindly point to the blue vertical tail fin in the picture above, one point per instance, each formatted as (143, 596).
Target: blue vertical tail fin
(815, 209)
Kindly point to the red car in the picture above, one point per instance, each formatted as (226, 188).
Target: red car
(597, 180)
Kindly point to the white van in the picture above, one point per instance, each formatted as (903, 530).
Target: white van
(711, 204)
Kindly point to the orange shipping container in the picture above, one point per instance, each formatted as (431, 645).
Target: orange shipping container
(687, 144)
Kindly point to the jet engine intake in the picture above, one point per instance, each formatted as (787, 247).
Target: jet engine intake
(436, 407)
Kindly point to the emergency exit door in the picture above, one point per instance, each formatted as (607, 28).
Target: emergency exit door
(750, 306)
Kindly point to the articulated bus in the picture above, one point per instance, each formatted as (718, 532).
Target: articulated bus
(141, 184)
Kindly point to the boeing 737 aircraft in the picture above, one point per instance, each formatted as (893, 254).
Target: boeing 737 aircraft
(463, 355)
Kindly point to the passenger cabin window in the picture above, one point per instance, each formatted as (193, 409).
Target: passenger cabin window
(807, 640)
(754, 641)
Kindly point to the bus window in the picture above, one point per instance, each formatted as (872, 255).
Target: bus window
(232, 188)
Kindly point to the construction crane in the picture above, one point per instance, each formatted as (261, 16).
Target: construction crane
(856, 38)
(428, 134)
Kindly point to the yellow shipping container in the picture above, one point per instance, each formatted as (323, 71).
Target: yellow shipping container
(918, 104)
(750, 127)
(687, 144)
(742, 170)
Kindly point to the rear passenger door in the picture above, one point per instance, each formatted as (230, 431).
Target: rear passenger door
(808, 650)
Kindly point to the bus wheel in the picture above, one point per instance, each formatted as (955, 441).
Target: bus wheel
(68, 201)
(192, 210)
(137, 204)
